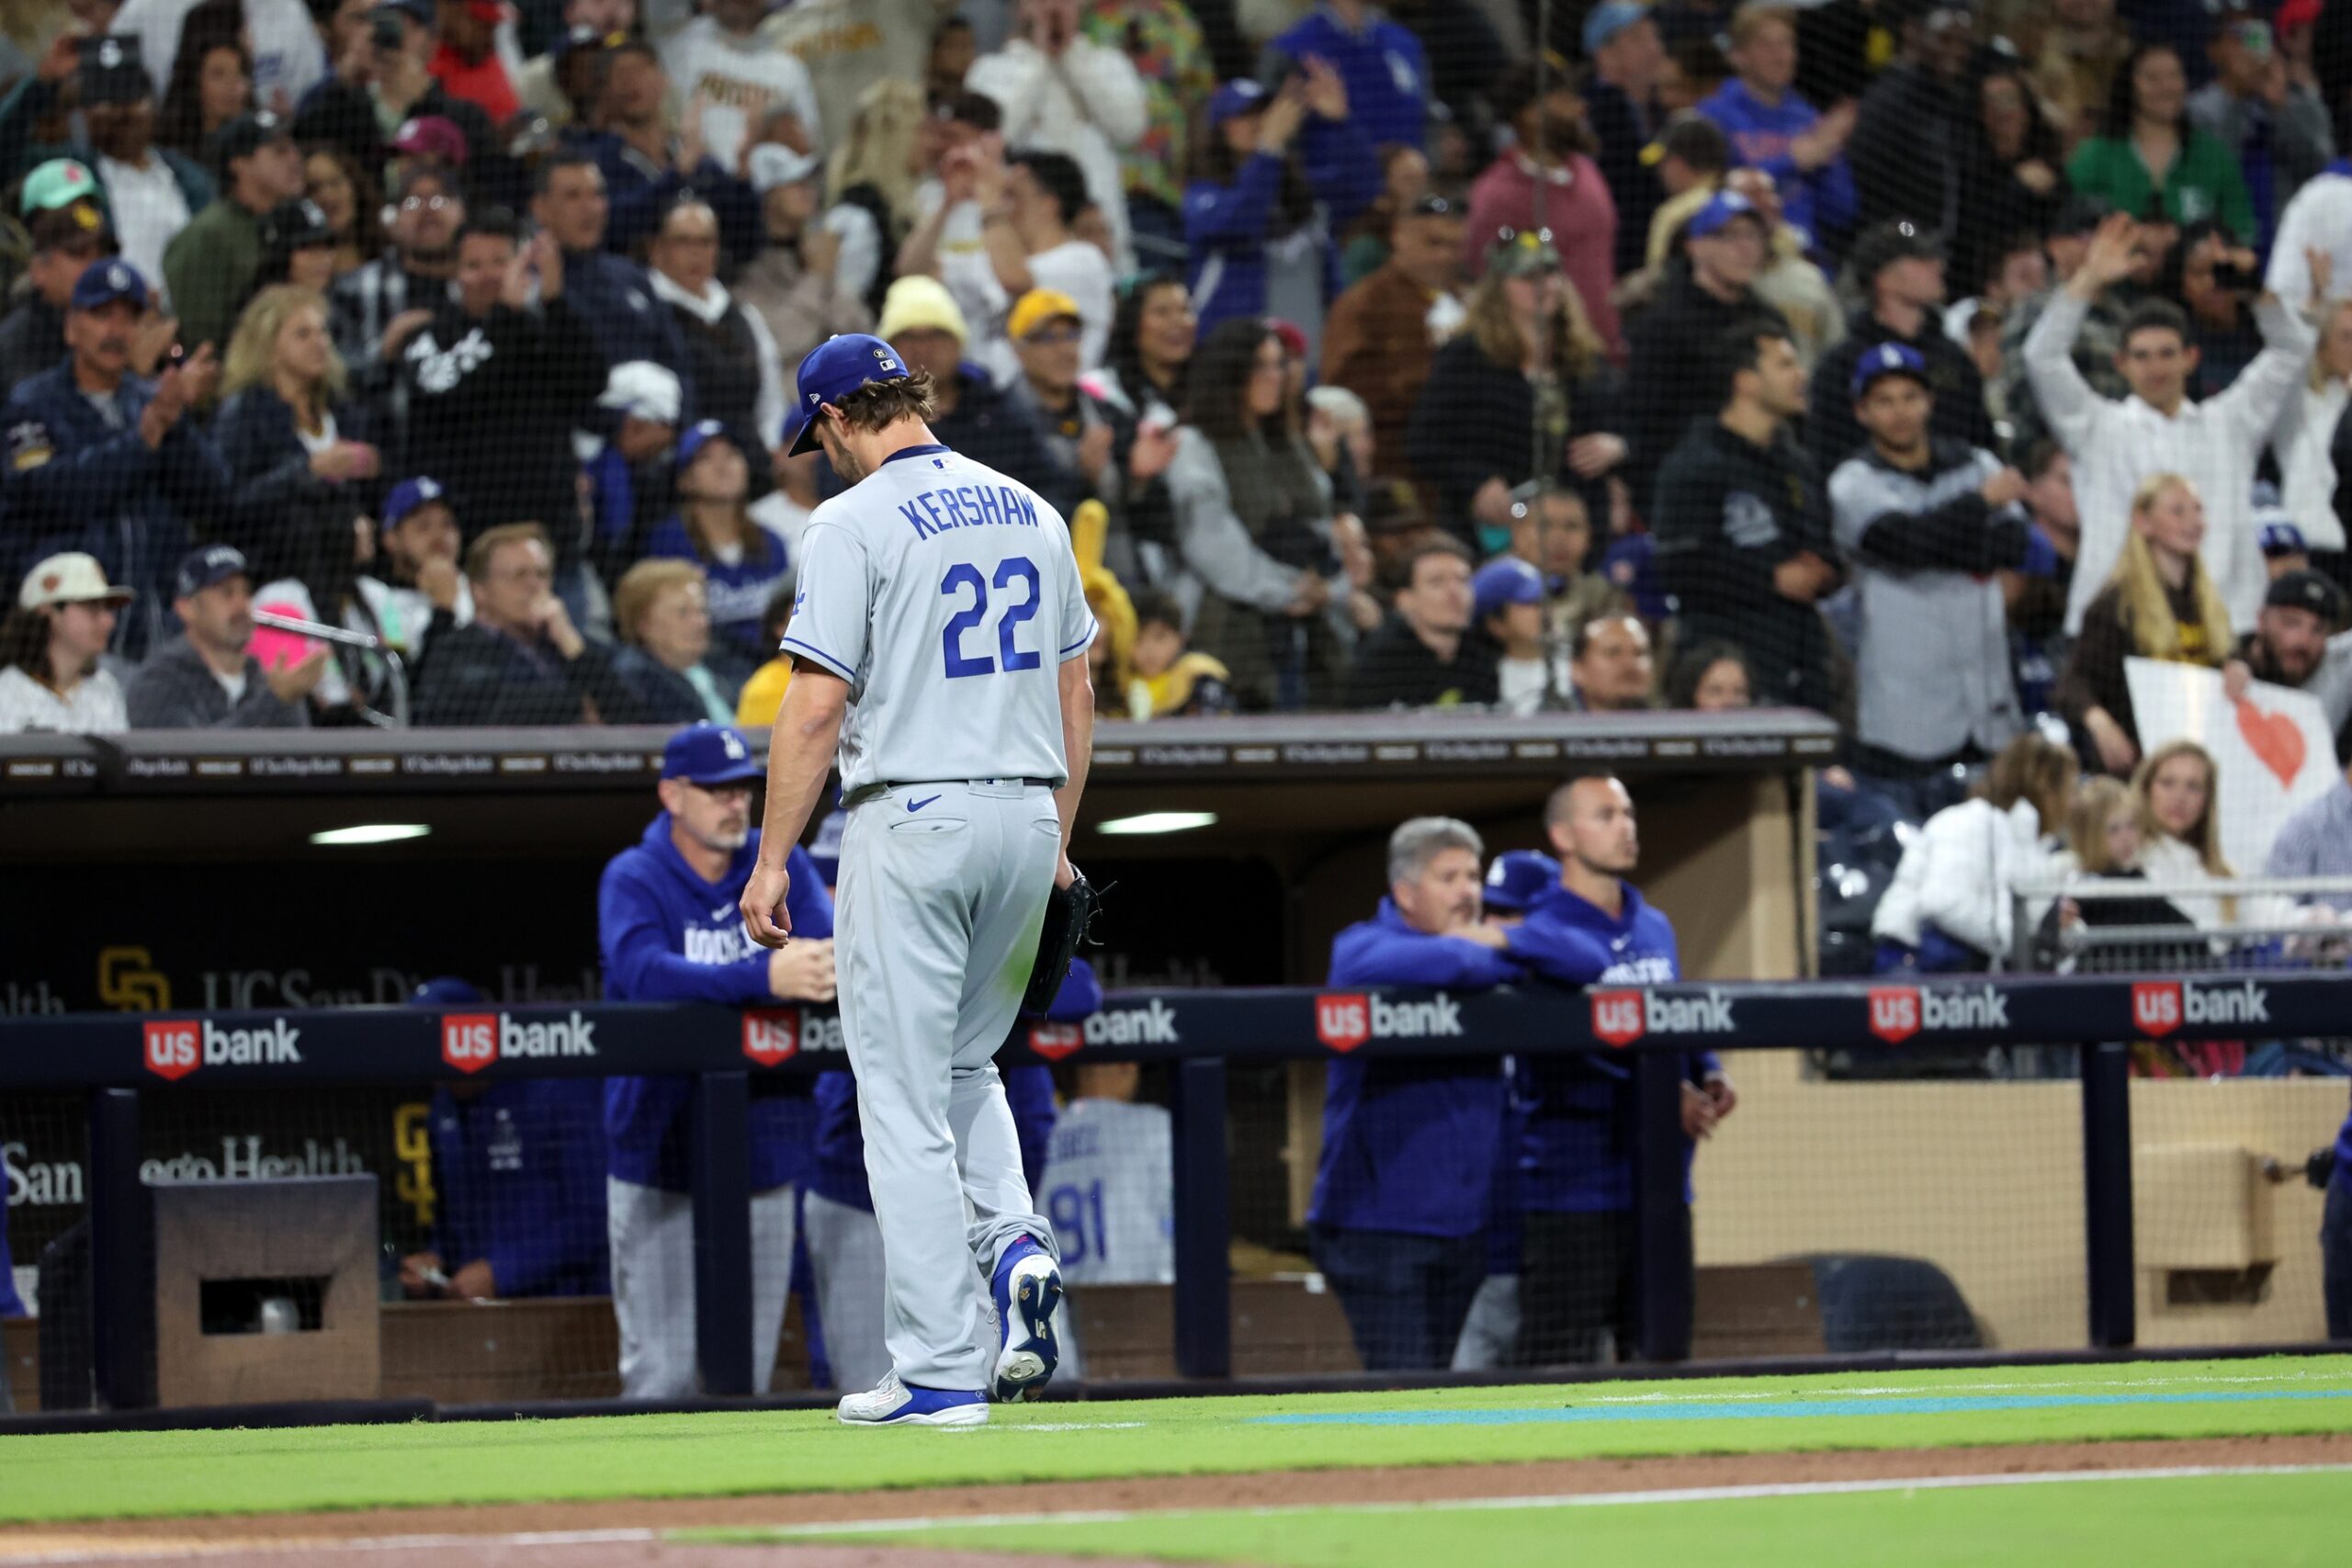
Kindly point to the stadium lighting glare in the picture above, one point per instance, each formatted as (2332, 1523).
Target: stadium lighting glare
(370, 834)
(1157, 822)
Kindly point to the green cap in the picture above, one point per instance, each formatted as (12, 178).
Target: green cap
(61, 182)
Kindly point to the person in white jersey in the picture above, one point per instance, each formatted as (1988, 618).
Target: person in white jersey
(939, 639)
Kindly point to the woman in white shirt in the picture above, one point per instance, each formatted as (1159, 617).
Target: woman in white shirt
(50, 645)
(2304, 438)
(1949, 906)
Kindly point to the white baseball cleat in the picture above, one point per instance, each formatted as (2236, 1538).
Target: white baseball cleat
(895, 1404)
(1027, 1288)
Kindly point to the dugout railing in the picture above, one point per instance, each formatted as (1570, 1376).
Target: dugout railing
(121, 1061)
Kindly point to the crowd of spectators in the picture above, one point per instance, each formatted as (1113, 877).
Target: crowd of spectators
(1918, 364)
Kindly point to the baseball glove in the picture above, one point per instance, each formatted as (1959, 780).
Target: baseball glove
(1071, 914)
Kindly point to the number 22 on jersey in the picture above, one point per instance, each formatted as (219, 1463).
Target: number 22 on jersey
(965, 576)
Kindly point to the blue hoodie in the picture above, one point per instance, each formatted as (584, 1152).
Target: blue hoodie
(668, 935)
(1384, 67)
(1410, 1145)
(839, 1172)
(1761, 133)
(1576, 1156)
(519, 1172)
(1225, 225)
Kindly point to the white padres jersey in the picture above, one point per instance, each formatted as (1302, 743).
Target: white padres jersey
(1110, 1192)
(947, 595)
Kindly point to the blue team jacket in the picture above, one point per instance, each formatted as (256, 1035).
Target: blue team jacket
(1225, 226)
(667, 935)
(71, 481)
(1577, 1155)
(1761, 133)
(839, 1171)
(1410, 1145)
(1385, 68)
(518, 1173)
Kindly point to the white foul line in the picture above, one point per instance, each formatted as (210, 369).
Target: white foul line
(1566, 1499)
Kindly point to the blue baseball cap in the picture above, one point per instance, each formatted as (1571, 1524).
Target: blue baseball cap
(835, 368)
(1887, 359)
(106, 280)
(446, 991)
(410, 494)
(1238, 97)
(1606, 20)
(1631, 566)
(1505, 581)
(709, 754)
(1721, 208)
(697, 436)
(1516, 878)
(201, 569)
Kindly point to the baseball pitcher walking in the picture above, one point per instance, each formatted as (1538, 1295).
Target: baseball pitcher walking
(939, 639)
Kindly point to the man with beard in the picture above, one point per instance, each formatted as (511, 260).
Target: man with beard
(420, 590)
(670, 931)
(2291, 644)
(375, 311)
(208, 678)
(101, 460)
(1577, 1279)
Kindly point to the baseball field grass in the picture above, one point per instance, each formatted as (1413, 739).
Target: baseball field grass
(51, 1479)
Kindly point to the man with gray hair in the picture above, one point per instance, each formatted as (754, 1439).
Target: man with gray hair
(1404, 1185)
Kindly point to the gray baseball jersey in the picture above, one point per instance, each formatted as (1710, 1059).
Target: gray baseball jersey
(948, 597)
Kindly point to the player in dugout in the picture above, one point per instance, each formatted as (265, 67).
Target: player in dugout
(669, 931)
(1578, 1275)
(518, 1195)
(1402, 1190)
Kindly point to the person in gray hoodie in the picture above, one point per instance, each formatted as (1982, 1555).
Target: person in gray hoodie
(1926, 521)
(207, 678)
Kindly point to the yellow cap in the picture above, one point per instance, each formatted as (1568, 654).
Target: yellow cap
(1036, 308)
(915, 304)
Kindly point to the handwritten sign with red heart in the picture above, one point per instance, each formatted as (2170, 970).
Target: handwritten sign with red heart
(2274, 737)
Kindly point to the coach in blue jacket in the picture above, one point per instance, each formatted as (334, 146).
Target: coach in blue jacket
(518, 1183)
(1576, 1166)
(846, 1242)
(106, 462)
(668, 923)
(2335, 1240)
(1404, 1186)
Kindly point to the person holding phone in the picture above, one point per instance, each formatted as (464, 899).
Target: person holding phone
(1062, 92)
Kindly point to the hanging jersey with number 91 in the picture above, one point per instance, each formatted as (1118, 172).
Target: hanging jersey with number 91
(947, 594)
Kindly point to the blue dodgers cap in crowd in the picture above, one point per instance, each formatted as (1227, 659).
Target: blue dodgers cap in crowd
(1516, 878)
(408, 495)
(2278, 534)
(1630, 566)
(835, 368)
(1235, 97)
(201, 569)
(697, 437)
(446, 991)
(106, 280)
(1888, 359)
(1606, 20)
(709, 754)
(1721, 208)
(1505, 580)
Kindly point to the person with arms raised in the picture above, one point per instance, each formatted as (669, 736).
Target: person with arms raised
(2118, 444)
